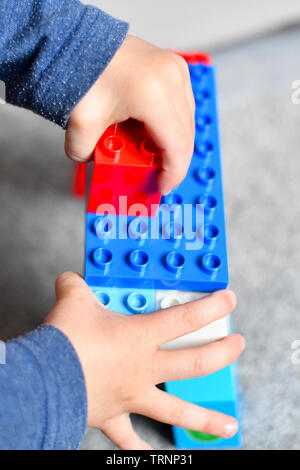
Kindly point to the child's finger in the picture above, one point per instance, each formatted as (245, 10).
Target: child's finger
(81, 139)
(120, 431)
(69, 283)
(196, 362)
(177, 321)
(164, 123)
(172, 410)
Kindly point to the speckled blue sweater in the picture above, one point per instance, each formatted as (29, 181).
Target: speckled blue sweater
(51, 52)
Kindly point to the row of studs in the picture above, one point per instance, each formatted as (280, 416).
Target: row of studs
(138, 260)
(138, 230)
(134, 302)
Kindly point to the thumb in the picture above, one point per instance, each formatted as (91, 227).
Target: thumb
(80, 141)
(70, 284)
(92, 115)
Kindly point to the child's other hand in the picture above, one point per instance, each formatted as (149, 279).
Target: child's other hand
(148, 84)
(122, 362)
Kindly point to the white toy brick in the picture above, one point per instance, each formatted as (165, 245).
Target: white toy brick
(212, 332)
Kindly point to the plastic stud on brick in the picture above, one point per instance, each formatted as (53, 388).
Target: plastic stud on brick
(125, 166)
(126, 301)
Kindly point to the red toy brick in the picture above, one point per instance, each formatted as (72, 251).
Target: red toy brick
(126, 161)
(79, 180)
(196, 58)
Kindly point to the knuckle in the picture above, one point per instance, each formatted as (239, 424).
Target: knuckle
(129, 398)
(63, 277)
(190, 317)
(176, 414)
(173, 68)
(75, 294)
(152, 84)
(80, 117)
(210, 425)
(199, 365)
(75, 156)
(76, 122)
(88, 120)
(170, 67)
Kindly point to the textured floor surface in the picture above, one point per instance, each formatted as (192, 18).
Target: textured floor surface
(42, 231)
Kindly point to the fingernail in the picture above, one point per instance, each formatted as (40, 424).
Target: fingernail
(232, 296)
(230, 293)
(231, 429)
(243, 342)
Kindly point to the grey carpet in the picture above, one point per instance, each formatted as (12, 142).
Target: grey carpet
(42, 231)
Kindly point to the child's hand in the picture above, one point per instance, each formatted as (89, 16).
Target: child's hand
(148, 84)
(122, 362)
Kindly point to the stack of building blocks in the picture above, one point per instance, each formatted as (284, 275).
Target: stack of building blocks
(145, 254)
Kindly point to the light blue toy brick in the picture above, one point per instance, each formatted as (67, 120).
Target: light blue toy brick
(217, 391)
(216, 387)
(167, 261)
(126, 301)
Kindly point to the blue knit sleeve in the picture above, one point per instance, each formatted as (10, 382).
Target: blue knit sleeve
(53, 51)
(43, 401)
